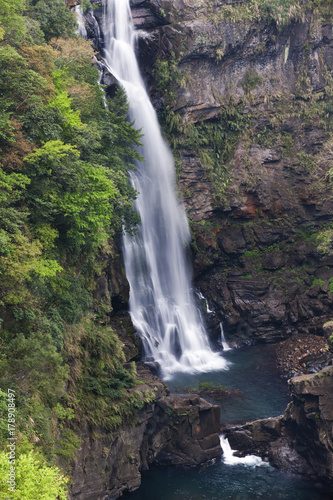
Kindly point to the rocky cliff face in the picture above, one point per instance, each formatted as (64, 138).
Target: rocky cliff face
(301, 440)
(245, 100)
(172, 430)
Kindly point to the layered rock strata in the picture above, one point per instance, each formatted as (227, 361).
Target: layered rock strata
(258, 198)
(245, 101)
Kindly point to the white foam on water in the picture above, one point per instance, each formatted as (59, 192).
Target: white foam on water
(229, 458)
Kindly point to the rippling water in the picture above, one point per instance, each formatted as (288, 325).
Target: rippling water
(224, 482)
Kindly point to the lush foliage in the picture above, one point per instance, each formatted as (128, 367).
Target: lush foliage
(281, 12)
(213, 140)
(30, 470)
(99, 386)
(64, 194)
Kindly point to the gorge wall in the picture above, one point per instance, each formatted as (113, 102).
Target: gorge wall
(245, 99)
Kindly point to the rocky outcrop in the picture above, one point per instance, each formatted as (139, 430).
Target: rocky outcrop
(172, 430)
(301, 440)
(111, 296)
(328, 333)
(267, 292)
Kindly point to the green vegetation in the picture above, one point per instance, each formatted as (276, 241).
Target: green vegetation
(209, 386)
(213, 140)
(31, 470)
(317, 282)
(330, 286)
(168, 76)
(251, 80)
(64, 194)
(281, 12)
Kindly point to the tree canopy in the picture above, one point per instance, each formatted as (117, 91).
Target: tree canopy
(65, 152)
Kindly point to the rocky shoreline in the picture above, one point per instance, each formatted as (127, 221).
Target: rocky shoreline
(300, 440)
(171, 430)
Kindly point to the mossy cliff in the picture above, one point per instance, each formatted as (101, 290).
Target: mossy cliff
(244, 92)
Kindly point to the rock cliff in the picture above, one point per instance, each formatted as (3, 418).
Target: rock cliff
(172, 430)
(245, 100)
(169, 430)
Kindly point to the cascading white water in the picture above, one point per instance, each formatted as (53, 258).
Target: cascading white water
(81, 27)
(230, 459)
(161, 302)
(225, 345)
(201, 297)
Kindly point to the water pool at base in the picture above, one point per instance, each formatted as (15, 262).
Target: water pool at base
(253, 371)
(224, 482)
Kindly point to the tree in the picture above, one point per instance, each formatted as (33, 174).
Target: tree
(55, 18)
(76, 197)
(12, 24)
(34, 480)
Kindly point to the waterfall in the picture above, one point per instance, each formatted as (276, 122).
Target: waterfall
(157, 268)
(225, 345)
(205, 301)
(81, 27)
(229, 458)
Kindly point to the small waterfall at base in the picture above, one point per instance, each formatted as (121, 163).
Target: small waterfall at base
(225, 345)
(161, 301)
(201, 297)
(229, 458)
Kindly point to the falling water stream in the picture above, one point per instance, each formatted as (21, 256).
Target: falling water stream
(161, 300)
(81, 27)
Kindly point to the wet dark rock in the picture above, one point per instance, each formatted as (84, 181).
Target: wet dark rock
(303, 353)
(112, 287)
(313, 363)
(231, 241)
(273, 260)
(148, 14)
